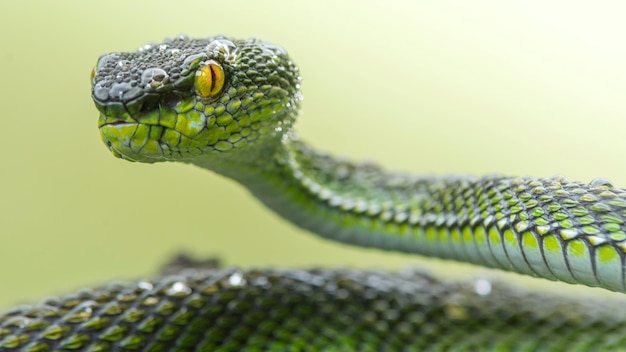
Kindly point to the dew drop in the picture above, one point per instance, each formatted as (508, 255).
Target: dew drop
(100, 92)
(178, 289)
(145, 47)
(274, 49)
(152, 76)
(123, 65)
(106, 60)
(222, 48)
(118, 90)
(482, 287)
(236, 279)
(145, 285)
(192, 60)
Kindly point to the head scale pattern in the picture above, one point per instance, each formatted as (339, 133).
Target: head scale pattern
(187, 97)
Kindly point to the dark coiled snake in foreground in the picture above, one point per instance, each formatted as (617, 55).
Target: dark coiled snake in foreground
(228, 105)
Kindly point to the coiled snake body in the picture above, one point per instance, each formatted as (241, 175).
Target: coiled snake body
(228, 105)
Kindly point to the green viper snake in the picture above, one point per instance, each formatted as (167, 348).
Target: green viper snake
(228, 105)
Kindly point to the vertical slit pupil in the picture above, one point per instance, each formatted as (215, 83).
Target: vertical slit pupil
(213, 79)
(209, 80)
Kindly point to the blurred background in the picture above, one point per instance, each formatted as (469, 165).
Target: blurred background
(515, 87)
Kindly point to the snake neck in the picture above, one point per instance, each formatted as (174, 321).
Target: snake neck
(297, 181)
(350, 202)
(551, 227)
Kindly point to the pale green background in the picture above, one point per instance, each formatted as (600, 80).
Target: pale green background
(517, 87)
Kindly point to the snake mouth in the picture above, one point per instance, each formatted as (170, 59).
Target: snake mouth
(161, 135)
(118, 122)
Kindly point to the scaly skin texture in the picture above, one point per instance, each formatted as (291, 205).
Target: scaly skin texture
(552, 228)
(312, 310)
(228, 105)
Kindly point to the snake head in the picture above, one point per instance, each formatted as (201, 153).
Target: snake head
(186, 98)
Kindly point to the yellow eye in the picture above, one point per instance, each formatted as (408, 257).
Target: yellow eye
(93, 74)
(210, 79)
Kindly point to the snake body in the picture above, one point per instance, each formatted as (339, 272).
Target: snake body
(228, 105)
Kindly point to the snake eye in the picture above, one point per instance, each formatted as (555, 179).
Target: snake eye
(210, 79)
(93, 74)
